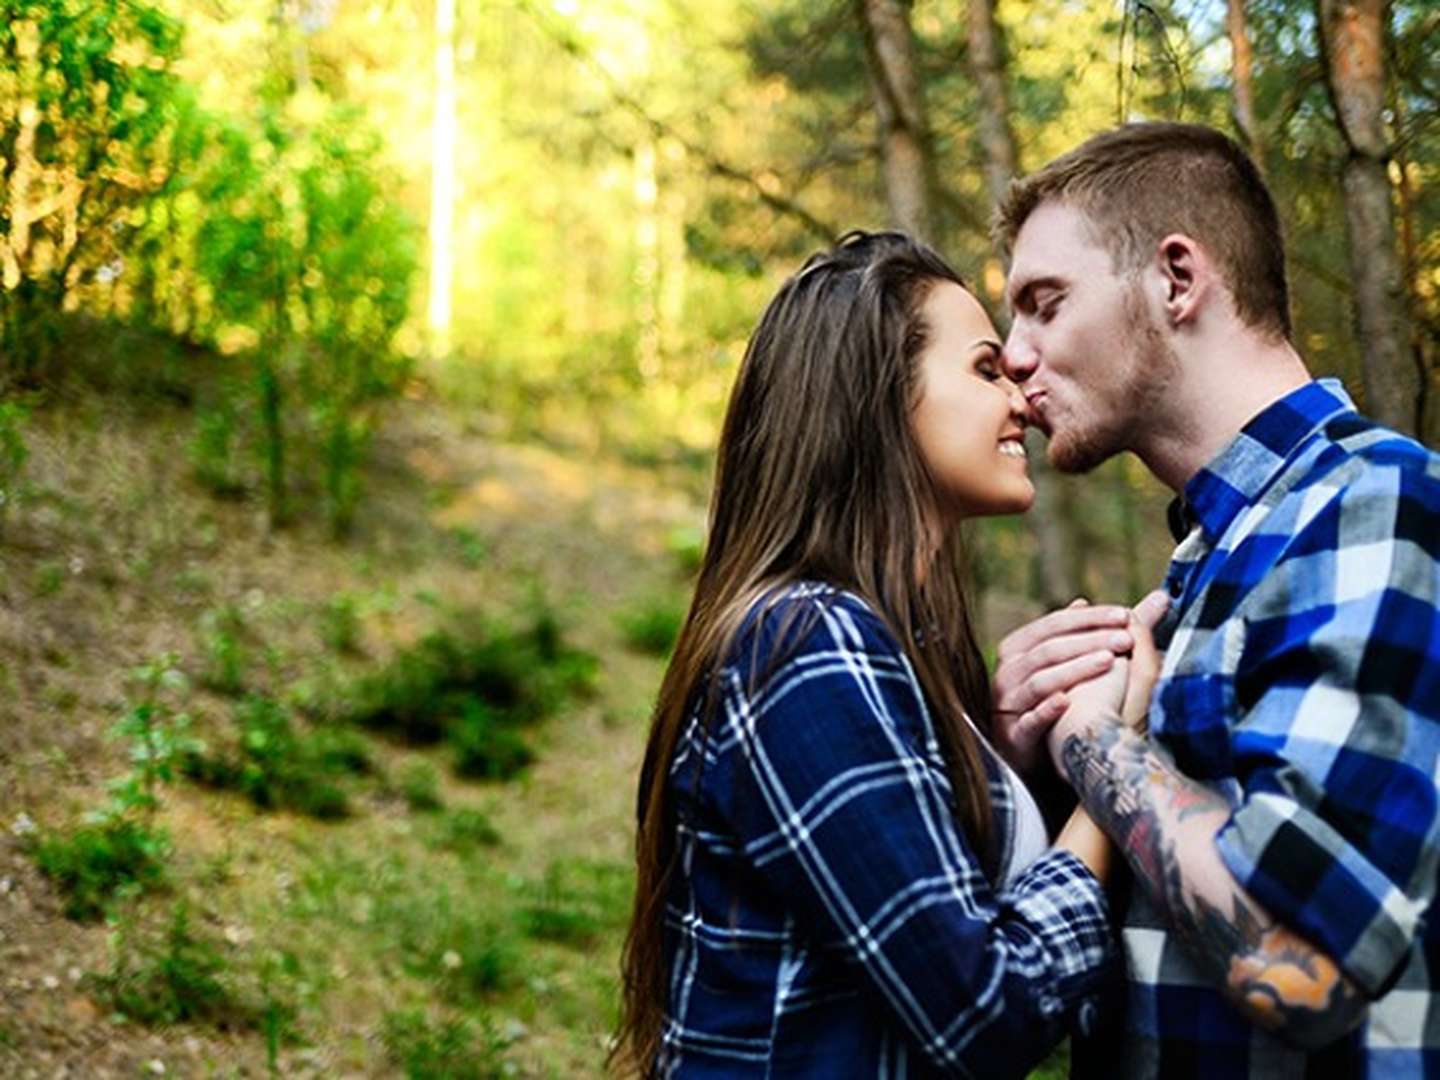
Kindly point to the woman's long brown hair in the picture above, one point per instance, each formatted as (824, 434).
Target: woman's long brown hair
(818, 478)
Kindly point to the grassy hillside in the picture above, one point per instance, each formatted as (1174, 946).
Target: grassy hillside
(422, 923)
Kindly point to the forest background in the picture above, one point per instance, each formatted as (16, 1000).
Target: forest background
(361, 363)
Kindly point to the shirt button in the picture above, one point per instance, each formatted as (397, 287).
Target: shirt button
(1174, 588)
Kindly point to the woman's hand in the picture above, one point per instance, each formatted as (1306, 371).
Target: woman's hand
(1036, 666)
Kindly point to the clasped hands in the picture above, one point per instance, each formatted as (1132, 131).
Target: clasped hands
(1073, 666)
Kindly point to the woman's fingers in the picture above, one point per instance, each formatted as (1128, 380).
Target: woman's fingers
(1077, 618)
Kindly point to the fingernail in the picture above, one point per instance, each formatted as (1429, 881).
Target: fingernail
(1121, 641)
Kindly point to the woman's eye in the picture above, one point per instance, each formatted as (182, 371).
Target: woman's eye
(988, 369)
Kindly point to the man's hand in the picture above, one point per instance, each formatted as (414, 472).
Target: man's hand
(1038, 663)
(1121, 693)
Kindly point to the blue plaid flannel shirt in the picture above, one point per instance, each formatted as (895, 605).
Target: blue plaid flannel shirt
(828, 918)
(1302, 680)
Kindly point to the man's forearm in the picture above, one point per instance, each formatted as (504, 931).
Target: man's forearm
(1165, 825)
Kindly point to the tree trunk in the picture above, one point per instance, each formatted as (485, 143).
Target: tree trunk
(1059, 553)
(1241, 58)
(905, 151)
(442, 181)
(1352, 34)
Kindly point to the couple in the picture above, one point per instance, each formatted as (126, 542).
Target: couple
(844, 868)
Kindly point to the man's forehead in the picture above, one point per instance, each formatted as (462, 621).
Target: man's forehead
(1058, 241)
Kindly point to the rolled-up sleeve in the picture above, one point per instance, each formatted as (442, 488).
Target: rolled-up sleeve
(845, 810)
(1338, 686)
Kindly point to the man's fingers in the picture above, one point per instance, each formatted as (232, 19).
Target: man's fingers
(1074, 619)
(1152, 609)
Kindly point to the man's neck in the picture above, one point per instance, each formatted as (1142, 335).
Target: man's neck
(1220, 390)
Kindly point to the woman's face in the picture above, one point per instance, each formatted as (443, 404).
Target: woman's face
(969, 419)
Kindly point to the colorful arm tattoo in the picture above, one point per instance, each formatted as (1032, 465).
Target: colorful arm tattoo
(1165, 823)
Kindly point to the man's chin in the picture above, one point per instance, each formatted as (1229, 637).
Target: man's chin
(1072, 455)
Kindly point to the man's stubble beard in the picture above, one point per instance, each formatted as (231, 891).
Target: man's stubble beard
(1137, 399)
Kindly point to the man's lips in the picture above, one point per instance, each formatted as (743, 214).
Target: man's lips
(1035, 410)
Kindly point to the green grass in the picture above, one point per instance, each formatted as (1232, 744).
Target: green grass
(177, 976)
(442, 1049)
(651, 624)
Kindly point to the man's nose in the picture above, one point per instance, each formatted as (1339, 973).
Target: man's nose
(1018, 358)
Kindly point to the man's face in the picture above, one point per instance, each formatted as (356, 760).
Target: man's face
(1090, 356)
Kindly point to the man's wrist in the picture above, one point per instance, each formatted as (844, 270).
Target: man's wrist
(1079, 723)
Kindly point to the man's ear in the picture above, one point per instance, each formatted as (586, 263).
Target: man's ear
(1187, 277)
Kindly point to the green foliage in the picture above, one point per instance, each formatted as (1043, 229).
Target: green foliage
(651, 623)
(120, 852)
(177, 976)
(441, 1049)
(486, 746)
(420, 787)
(82, 117)
(276, 768)
(516, 676)
(95, 864)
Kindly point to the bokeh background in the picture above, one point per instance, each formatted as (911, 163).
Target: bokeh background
(361, 363)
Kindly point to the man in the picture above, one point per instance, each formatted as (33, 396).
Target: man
(1282, 816)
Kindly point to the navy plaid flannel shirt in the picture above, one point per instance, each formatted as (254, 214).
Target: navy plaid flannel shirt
(1302, 681)
(828, 918)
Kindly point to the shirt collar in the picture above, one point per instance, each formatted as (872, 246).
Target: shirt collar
(1238, 475)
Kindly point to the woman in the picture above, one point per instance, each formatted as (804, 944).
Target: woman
(837, 876)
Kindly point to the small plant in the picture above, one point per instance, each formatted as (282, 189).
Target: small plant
(223, 630)
(94, 864)
(276, 768)
(340, 627)
(464, 830)
(420, 786)
(441, 1049)
(487, 748)
(120, 851)
(651, 625)
(174, 978)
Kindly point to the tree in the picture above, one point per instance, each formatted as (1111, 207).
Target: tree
(905, 150)
(1352, 37)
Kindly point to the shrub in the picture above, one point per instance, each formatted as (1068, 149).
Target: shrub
(522, 675)
(278, 769)
(96, 863)
(486, 748)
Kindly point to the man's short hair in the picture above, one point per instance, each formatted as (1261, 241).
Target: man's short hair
(1138, 183)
